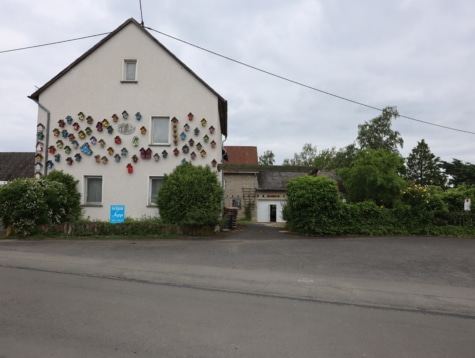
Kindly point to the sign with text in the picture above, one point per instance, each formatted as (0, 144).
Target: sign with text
(117, 214)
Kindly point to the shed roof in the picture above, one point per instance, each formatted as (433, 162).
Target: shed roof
(222, 103)
(276, 180)
(15, 165)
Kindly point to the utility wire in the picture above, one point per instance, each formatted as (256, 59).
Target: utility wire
(247, 65)
(53, 43)
(304, 85)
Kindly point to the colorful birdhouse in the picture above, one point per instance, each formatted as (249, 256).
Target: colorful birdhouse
(76, 126)
(59, 144)
(38, 157)
(102, 143)
(191, 142)
(183, 161)
(117, 158)
(206, 139)
(110, 129)
(174, 120)
(97, 158)
(130, 168)
(39, 146)
(67, 149)
(125, 115)
(77, 157)
(187, 127)
(89, 120)
(49, 164)
(156, 157)
(197, 131)
(71, 137)
(56, 132)
(61, 123)
(40, 128)
(93, 140)
(193, 155)
(138, 116)
(175, 141)
(145, 153)
(38, 166)
(110, 150)
(185, 149)
(64, 133)
(176, 152)
(75, 144)
(213, 144)
(51, 149)
(81, 135)
(211, 129)
(203, 153)
(88, 131)
(143, 130)
(40, 136)
(57, 158)
(135, 158)
(99, 126)
(86, 149)
(104, 160)
(69, 161)
(123, 152)
(203, 122)
(164, 154)
(105, 123)
(69, 120)
(135, 141)
(214, 163)
(117, 140)
(190, 116)
(81, 116)
(115, 119)
(182, 136)
(199, 146)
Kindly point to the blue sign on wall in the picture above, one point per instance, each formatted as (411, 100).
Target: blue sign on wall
(117, 214)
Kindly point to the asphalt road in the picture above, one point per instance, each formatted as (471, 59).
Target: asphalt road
(258, 292)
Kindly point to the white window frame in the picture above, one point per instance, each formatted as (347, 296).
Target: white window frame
(152, 198)
(164, 136)
(126, 72)
(87, 200)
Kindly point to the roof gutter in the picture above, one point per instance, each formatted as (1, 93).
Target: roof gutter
(48, 117)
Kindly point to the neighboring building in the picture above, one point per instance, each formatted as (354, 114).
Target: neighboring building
(260, 188)
(14, 165)
(123, 115)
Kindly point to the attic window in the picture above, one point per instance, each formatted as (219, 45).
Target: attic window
(130, 71)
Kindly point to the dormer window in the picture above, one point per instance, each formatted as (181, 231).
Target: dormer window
(130, 71)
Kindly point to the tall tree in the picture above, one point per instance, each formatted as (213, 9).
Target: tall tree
(373, 175)
(267, 158)
(460, 173)
(423, 167)
(311, 157)
(377, 133)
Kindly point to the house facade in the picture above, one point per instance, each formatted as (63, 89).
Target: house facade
(123, 115)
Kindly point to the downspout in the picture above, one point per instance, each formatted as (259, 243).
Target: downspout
(48, 116)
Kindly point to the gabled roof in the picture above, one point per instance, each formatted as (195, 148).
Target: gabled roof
(14, 165)
(276, 180)
(241, 155)
(222, 103)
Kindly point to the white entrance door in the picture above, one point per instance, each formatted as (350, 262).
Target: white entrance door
(269, 211)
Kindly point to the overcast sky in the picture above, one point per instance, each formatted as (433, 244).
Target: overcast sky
(418, 55)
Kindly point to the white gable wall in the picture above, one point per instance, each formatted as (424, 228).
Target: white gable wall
(164, 88)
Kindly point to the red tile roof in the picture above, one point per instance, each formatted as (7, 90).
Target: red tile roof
(242, 155)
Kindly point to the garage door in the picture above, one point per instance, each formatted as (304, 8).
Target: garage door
(269, 211)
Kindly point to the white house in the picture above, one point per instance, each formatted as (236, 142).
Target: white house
(121, 116)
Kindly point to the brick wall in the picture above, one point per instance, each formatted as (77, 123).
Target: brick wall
(234, 194)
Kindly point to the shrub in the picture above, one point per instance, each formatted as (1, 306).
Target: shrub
(190, 196)
(27, 203)
(312, 204)
(73, 196)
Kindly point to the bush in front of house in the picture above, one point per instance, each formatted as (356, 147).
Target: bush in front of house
(191, 196)
(27, 203)
(73, 211)
(313, 205)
